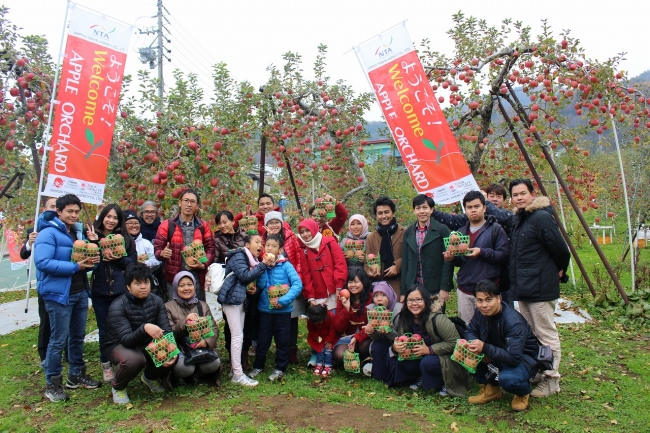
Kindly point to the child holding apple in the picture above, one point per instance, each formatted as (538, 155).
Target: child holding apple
(434, 337)
(321, 337)
(281, 280)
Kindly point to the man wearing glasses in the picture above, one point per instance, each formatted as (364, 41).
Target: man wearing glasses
(179, 232)
(149, 220)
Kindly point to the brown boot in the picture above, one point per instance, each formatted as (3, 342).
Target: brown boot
(520, 403)
(486, 394)
(245, 365)
(293, 355)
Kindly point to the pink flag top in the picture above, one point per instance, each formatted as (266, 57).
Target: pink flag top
(418, 125)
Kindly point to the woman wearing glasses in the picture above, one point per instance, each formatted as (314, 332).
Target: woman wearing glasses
(433, 370)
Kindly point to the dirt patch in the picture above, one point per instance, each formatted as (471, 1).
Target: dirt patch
(301, 412)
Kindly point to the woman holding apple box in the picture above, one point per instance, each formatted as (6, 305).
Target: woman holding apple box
(432, 340)
(353, 244)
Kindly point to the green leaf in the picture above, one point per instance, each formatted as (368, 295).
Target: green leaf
(90, 137)
(429, 144)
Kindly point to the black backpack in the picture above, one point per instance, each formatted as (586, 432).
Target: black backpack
(459, 323)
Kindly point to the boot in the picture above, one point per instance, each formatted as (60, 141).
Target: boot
(487, 393)
(548, 386)
(245, 365)
(54, 391)
(293, 355)
(82, 380)
(520, 403)
(217, 377)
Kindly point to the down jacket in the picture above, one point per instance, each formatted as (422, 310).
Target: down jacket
(127, 316)
(233, 290)
(516, 341)
(52, 252)
(537, 253)
(224, 243)
(282, 272)
(173, 266)
(108, 277)
(323, 271)
(177, 313)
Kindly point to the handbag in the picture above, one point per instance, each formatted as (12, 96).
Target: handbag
(544, 356)
(215, 277)
(198, 355)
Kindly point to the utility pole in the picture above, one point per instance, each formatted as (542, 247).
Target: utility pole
(149, 55)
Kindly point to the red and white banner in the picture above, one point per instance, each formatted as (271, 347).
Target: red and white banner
(13, 248)
(87, 101)
(418, 125)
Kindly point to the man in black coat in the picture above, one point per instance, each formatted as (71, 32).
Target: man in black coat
(44, 325)
(508, 344)
(539, 258)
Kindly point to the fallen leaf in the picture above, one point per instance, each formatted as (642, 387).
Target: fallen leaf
(129, 406)
(607, 406)
(4, 345)
(386, 414)
(38, 409)
(349, 393)
(454, 427)
(583, 372)
(371, 394)
(614, 421)
(450, 411)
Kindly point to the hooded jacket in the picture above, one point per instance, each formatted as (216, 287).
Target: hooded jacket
(282, 272)
(52, 253)
(233, 290)
(537, 253)
(488, 264)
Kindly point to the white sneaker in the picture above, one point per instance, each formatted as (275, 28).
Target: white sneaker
(367, 369)
(548, 386)
(244, 380)
(254, 373)
(417, 385)
(120, 397)
(443, 392)
(312, 361)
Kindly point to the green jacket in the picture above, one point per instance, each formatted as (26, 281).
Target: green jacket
(436, 272)
(455, 376)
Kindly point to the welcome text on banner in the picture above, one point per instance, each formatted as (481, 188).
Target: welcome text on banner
(87, 100)
(428, 147)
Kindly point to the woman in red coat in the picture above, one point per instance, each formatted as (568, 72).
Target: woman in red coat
(274, 224)
(324, 271)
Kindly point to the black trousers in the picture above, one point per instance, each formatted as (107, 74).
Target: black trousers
(273, 326)
(130, 362)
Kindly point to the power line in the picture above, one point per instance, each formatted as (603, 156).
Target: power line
(212, 59)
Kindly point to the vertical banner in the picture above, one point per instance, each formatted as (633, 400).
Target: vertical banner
(13, 248)
(87, 98)
(418, 125)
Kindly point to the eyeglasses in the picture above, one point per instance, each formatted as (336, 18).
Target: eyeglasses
(414, 301)
(133, 224)
(149, 212)
(188, 201)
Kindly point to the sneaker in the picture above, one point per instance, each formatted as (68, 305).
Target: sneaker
(443, 392)
(153, 386)
(42, 364)
(327, 371)
(318, 370)
(548, 386)
(120, 397)
(486, 394)
(107, 369)
(82, 380)
(277, 375)
(417, 385)
(519, 403)
(367, 369)
(54, 391)
(252, 350)
(537, 379)
(244, 380)
(254, 372)
(312, 361)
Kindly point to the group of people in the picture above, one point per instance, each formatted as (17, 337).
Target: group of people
(272, 276)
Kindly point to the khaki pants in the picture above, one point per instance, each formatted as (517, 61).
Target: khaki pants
(539, 316)
(466, 306)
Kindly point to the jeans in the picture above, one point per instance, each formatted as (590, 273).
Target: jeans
(67, 323)
(324, 357)
(101, 305)
(515, 380)
(274, 326)
(43, 329)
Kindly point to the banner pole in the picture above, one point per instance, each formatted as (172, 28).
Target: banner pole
(46, 139)
(559, 200)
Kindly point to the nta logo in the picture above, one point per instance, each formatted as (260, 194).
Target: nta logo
(99, 30)
(384, 49)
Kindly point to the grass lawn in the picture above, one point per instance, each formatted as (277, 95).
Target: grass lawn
(605, 388)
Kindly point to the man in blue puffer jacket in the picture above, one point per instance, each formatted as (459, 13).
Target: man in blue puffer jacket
(64, 288)
(275, 310)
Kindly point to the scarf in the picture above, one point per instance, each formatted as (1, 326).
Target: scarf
(317, 237)
(364, 226)
(314, 243)
(386, 249)
(177, 279)
(149, 230)
(252, 261)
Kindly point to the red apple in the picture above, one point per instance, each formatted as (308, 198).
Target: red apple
(344, 293)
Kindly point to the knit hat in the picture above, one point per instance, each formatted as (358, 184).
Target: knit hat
(310, 225)
(273, 215)
(386, 289)
(129, 215)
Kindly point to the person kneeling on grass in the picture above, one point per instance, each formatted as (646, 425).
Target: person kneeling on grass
(501, 334)
(134, 319)
(422, 316)
(275, 314)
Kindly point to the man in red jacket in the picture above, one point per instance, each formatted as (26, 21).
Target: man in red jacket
(335, 225)
(176, 233)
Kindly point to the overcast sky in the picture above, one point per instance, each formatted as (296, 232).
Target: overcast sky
(250, 35)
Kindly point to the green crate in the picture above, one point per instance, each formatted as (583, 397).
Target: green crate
(276, 292)
(374, 263)
(409, 346)
(81, 253)
(195, 251)
(378, 315)
(457, 243)
(325, 209)
(351, 362)
(200, 329)
(465, 357)
(115, 243)
(351, 251)
(142, 258)
(249, 224)
(161, 345)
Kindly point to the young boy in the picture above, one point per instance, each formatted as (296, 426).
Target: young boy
(275, 313)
